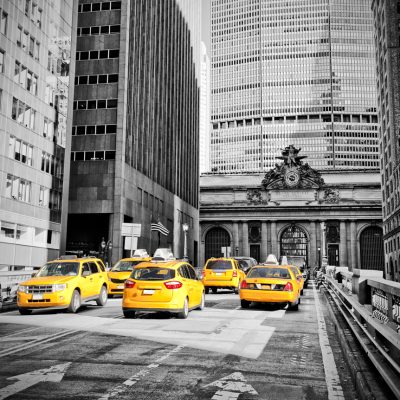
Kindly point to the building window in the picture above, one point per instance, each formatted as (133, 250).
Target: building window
(20, 151)
(3, 22)
(18, 188)
(1, 61)
(23, 114)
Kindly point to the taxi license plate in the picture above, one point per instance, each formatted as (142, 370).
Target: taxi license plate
(37, 296)
(120, 286)
(219, 273)
(148, 291)
(265, 286)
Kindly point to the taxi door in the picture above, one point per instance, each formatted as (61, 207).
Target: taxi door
(185, 274)
(86, 279)
(95, 279)
(197, 285)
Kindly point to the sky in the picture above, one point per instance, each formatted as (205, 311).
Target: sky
(205, 23)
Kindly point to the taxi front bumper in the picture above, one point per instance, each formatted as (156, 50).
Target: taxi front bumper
(268, 296)
(115, 288)
(47, 300)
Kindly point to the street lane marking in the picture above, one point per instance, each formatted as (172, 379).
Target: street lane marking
(19, 332)
(335, 391)
(238, 332)
(24, 381)
(34, 343)
(232, 387)
(117, 390)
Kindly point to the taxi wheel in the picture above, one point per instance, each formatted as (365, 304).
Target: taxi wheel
(129, 314)
(302, 292)
(236, 289)
(102, 300)
(203, 300)
(294, 306)
(244, 303)
(24, 311)
(185, 312)
(206, 290)
(75, 302)
(214, 290)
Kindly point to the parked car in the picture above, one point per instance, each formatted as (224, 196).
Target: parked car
(163, 285)
(245, 263)
(270, 284)
(222, 273)
(64, 283)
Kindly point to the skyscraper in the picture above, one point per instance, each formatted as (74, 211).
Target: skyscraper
(387, 19)
(134, 155)
(205, 111)
(35, 99)
(293, 72)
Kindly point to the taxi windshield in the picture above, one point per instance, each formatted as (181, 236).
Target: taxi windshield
(121, 266)
(219, 264)
(153, 274)
(281, 273)
(59, 269)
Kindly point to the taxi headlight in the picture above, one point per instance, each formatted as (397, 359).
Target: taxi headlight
(22, 289)
(59, 287)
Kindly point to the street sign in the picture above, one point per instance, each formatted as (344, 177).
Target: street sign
(130, 243)
(129, 229)
(24, 381)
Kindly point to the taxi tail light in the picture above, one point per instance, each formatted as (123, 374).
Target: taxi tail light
(129, 284)
(234, 273)
(173, 284)
(243, 285)
(288, 287)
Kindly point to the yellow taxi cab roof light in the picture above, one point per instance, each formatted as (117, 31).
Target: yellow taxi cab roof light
(271, 260)
(140, 253)
(163, 254)
(284, 260)
(67, 257)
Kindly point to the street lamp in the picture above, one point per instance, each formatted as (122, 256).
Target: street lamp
(185, 228)
(319, 257)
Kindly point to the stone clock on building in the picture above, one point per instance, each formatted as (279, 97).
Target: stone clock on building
(294, 210)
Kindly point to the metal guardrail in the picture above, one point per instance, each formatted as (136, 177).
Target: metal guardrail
(372, 324)
(9, 281)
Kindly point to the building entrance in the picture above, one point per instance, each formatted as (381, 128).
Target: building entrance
(294, 242)
(371, 248)
(217, 240)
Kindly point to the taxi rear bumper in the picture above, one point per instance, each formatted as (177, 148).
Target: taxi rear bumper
(268, 296)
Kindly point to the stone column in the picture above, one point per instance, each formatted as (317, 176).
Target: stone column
(264, 241)
(343, 245)
(235, 249)
(313, 256)
(274, 239)
(353, 245)
(323, 244)
(245, 230)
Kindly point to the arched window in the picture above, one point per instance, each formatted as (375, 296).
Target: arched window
(371, 249)
(216, 240)
(294, 242)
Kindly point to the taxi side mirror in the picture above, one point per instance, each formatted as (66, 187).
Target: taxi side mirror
(33, 274)
(85, 273)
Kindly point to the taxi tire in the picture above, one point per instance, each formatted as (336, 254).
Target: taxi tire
(236, 289)
(129, 314)
(214, 290)
(184, 314)
(202, 303)
(244, 303)
(301, 292)
(294, 306)
(24, 311)
(75, 302)
(103, 296)
(207, 290)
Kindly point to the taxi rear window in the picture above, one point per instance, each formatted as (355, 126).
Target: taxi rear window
(281, 273)
(125, 265)
(153, 274)
(219, 264)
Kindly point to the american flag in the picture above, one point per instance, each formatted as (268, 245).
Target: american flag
(159, 227)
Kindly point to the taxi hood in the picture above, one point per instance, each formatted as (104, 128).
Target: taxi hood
(48, 280)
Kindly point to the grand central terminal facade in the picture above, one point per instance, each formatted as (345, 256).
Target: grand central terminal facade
(294, 210)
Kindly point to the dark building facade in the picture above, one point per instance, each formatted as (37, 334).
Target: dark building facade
(387, 22)
(134, 154)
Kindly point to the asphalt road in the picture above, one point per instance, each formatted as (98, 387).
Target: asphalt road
(222, 352)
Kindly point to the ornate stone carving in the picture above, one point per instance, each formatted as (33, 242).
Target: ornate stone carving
(254, 196)
(292, 173)
(331, 196)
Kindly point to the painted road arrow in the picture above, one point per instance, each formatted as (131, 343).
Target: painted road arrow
(52, 374)
(233, 386)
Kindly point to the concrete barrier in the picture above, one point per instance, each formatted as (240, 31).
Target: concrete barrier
(9, 281)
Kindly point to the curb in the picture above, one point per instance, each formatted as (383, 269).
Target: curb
(362, 373)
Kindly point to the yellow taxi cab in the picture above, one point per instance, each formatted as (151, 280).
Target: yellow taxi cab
(163, 285)
(122, 271)
(222, 273)
(64, 283)
(270, 284)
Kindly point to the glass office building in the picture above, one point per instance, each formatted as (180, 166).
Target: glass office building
(298, 72)
(36, 65)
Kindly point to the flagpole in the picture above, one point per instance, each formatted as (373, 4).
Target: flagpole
(159, 239)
